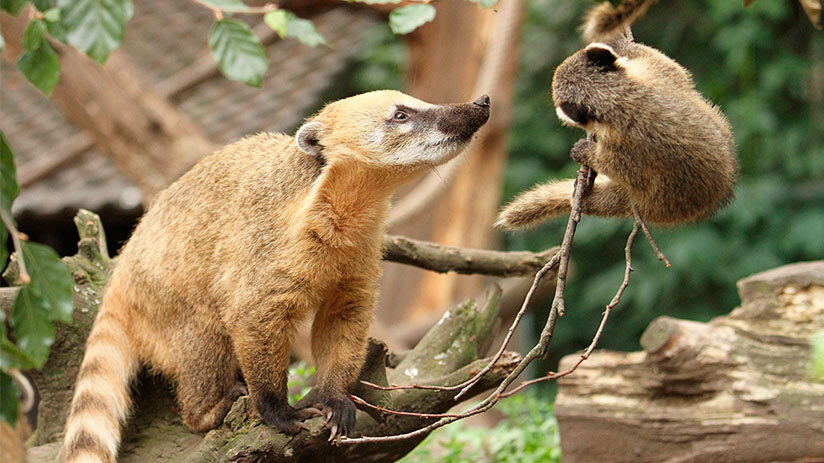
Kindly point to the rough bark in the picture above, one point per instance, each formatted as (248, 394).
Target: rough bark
(443, 259)
(732, 390)
(448, 354)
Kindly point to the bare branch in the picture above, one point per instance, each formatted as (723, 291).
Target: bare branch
(614, 302)
(467, 385)
(651, 240)
(583, 183)
(442, 259)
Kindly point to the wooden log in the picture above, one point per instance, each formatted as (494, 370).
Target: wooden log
(736, 389)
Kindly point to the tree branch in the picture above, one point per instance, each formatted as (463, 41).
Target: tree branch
(442, 259)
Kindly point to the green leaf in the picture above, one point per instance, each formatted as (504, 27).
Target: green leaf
(12, 6)
(233, 6)
(238, 53)
(41, 66)
(8, 175)
(32, 329)
(12, 357)
(9, 399)
(56, 28)
(286, 24)
(33, 35)
(406, 19)
(52, 15)
(95, 27)
(43, 5)
(277, 20)
(303, 30)
(51, 281)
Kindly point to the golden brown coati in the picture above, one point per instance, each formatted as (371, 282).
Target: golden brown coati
(257, 237)
(657, 144)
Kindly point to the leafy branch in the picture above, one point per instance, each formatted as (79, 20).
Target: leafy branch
(45, 296)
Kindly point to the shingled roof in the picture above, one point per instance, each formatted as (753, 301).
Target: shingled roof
(59, 165)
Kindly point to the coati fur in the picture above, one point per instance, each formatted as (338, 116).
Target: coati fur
(605, 20)
(657, 145)
(229, 259)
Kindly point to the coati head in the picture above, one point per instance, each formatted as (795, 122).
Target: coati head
(387, 128)
(603, 81)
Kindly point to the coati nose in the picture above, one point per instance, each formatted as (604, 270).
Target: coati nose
(482, 101)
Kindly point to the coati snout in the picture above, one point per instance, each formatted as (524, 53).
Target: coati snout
(463, 120)
(389, 128)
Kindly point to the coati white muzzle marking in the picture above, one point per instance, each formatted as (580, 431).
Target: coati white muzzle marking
(564, 118)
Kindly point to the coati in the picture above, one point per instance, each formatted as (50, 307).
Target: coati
(657, 145)
(253, 239)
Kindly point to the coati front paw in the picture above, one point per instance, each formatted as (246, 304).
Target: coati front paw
(278, 414)
(581, 151)
(340, 416)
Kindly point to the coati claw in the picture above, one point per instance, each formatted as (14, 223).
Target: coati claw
(340, 415)
(281, 416)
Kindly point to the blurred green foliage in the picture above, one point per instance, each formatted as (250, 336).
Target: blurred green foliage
(764, 66)
(528, 433)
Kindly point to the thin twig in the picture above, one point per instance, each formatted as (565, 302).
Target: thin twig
(467, 385)
(614, 302)
(582, 184)
(18, 247)
(651, 240)
(360, 401)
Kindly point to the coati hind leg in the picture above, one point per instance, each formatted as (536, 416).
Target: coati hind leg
(207, 378)
(339, 337)
(262, 330)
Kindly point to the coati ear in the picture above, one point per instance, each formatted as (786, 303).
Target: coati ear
(308, 137)
(601, 55)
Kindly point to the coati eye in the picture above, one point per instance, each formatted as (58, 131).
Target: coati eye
(400, 116)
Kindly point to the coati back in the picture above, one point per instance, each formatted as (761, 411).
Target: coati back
(257, 237)
(657, 145)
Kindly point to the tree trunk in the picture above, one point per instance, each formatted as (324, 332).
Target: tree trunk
(736, 389)
(447, 355)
